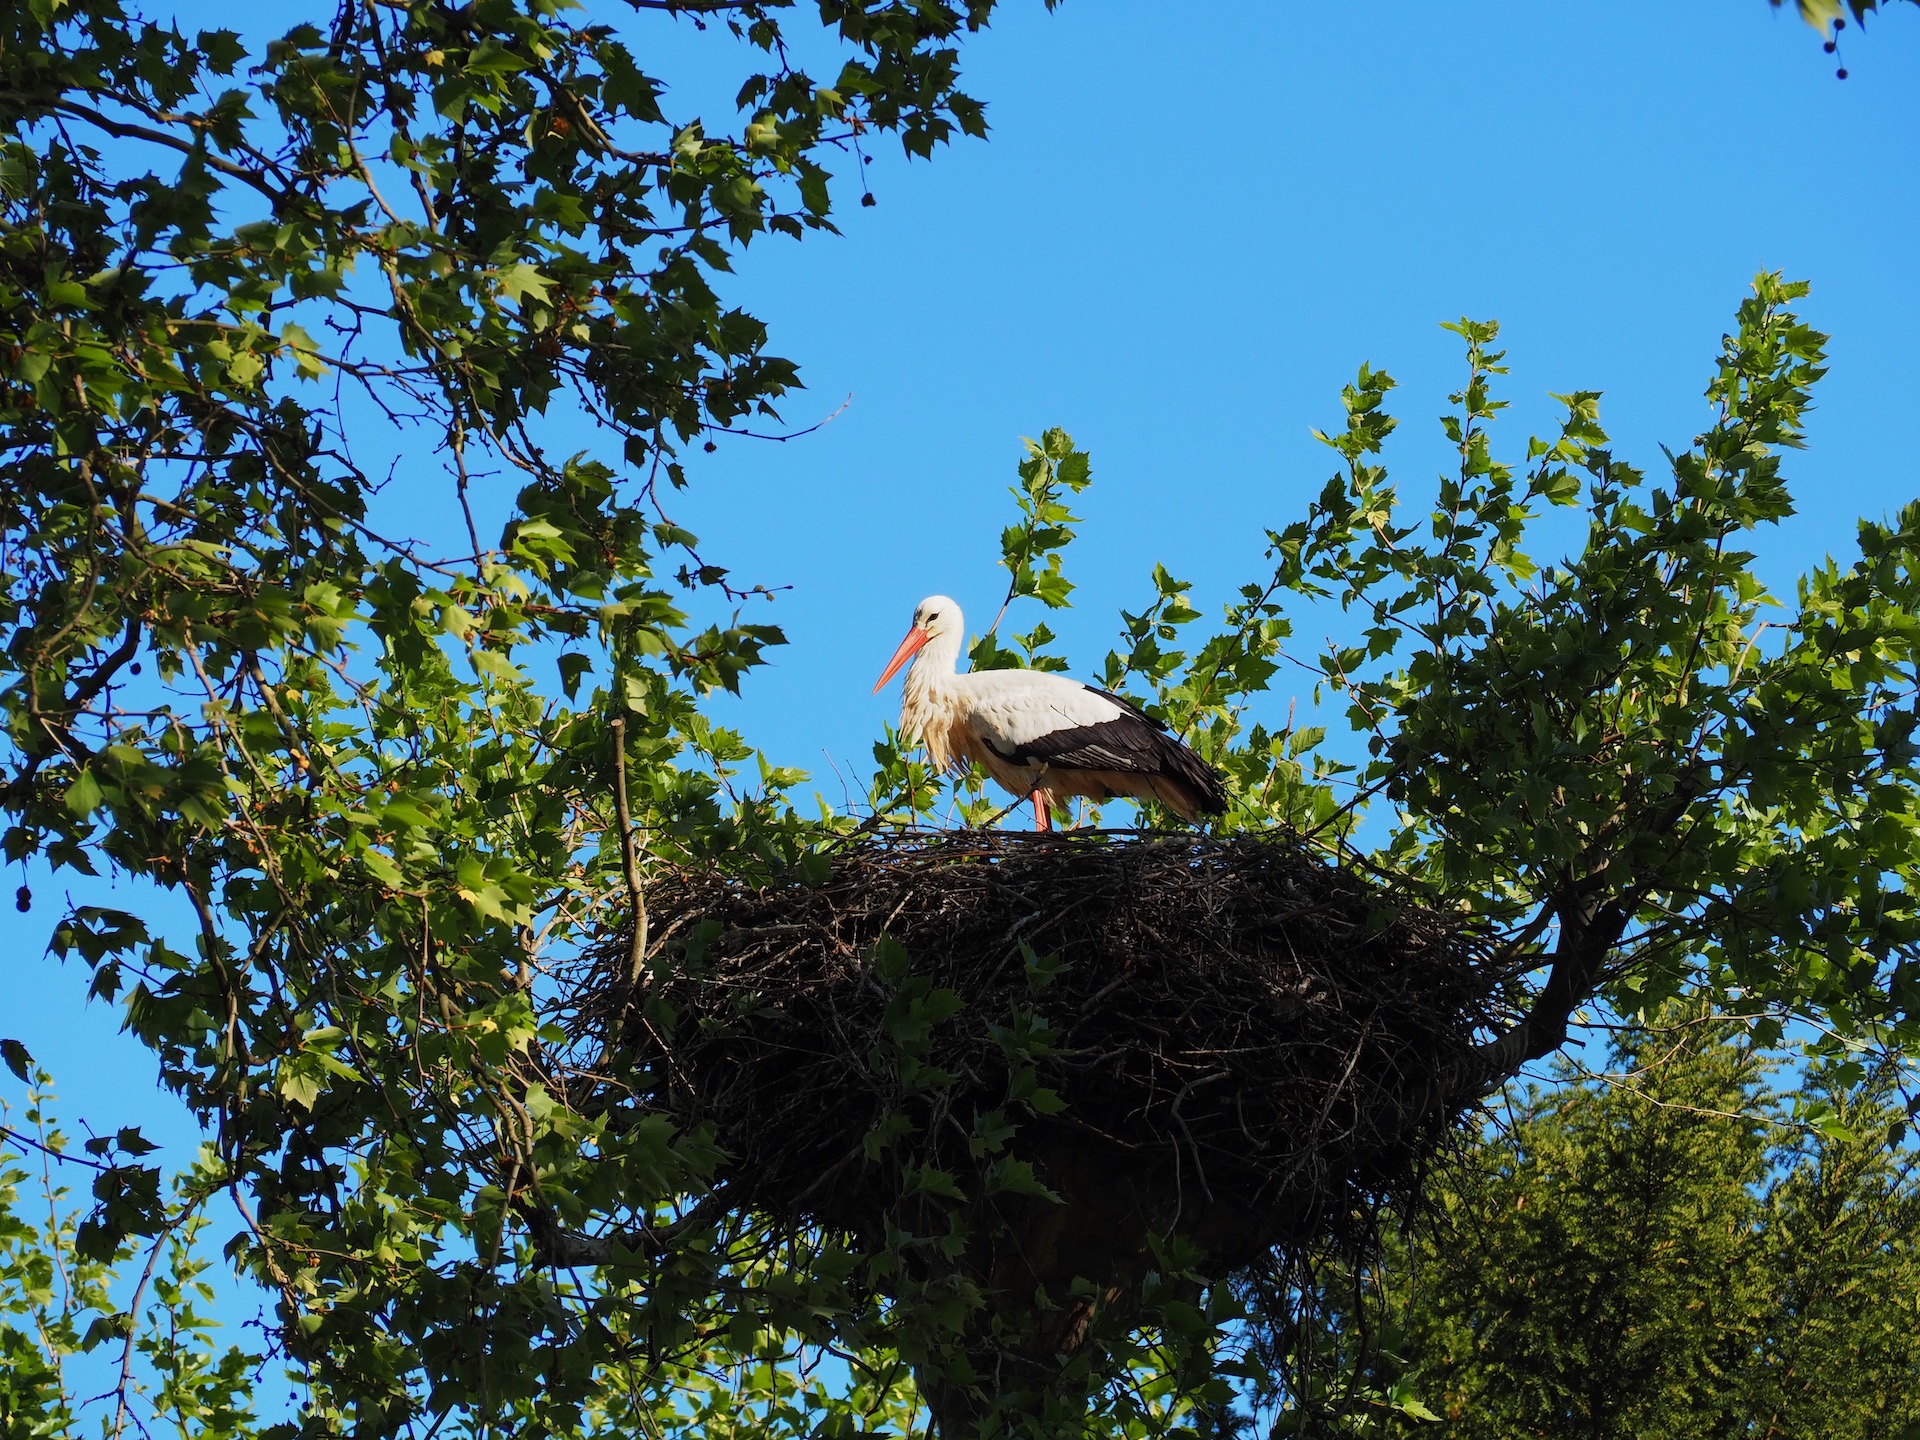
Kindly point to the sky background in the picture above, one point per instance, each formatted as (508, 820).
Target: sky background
(1189, 226)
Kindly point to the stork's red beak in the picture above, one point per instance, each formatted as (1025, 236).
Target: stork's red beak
(909, 647)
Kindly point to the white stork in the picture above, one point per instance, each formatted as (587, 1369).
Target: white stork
(1039, 734)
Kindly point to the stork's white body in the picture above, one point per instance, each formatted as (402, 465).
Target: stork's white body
(1039, 734)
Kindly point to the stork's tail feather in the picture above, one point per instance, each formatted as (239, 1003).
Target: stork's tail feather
(1199, 787)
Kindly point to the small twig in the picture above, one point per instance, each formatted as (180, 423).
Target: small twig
(457, 434)
(27, 1142)
(791, 434)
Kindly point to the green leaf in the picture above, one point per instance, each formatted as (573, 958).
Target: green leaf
(516, 282)
(300, 1079)
(18, 1060)
(83, 796)
(927, 1180)
(1011, 1176)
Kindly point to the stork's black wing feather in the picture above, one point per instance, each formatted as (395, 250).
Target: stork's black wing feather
(1110, 745)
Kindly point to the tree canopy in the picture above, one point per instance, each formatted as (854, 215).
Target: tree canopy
(400, 783)
(1689, 1244)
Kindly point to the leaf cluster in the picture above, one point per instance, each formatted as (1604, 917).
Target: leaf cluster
(76, 1339)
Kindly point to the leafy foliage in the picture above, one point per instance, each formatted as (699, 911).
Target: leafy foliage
(1676, 1247)
(1032, 550)
(224, 276)
(157, 1348)
(1633, 751)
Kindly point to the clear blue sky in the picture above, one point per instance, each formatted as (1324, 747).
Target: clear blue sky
(1189, 226)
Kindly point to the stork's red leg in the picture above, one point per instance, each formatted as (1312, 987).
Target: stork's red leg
(1041, 819)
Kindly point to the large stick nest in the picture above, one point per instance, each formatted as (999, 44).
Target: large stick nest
(1251, 1047)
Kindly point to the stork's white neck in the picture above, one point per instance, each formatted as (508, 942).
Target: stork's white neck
(930, 711)
(934, 667)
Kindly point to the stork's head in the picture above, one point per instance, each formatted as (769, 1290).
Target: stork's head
(934, 618)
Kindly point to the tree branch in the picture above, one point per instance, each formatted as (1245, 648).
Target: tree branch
(1588, 935)
(629, 863)
(126, 130)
